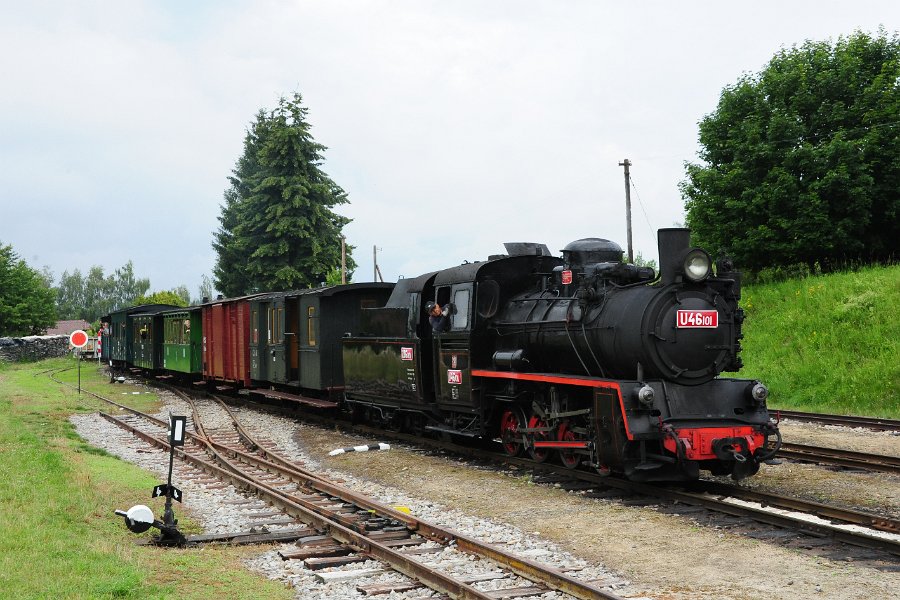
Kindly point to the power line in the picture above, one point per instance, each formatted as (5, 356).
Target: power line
(643, 208)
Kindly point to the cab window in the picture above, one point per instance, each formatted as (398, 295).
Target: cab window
(461, 309)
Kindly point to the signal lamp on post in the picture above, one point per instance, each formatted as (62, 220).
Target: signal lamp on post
(177, 425)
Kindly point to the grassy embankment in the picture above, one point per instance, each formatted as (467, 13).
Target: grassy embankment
(58, 535)
(827, 344)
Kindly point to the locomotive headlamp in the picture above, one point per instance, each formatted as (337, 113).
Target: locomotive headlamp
(759, 393)
(645, 396)
(697, 265)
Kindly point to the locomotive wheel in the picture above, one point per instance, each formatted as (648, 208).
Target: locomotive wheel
(569, 460)
(510, 422)
(538, 454)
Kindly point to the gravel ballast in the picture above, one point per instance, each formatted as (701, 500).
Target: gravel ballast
(637, 550)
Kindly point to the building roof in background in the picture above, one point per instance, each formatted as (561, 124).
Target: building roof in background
(67, 327)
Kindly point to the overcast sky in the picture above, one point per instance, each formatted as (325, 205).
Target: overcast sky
(453, 126)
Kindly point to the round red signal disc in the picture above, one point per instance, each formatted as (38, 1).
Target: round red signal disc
(78, 339)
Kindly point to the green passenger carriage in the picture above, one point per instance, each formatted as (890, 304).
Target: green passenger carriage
(118, 337)
(182, 337)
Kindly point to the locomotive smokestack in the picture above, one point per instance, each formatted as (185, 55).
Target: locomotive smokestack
(672, 244)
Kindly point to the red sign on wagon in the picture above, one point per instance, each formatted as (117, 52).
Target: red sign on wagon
(697, 319)
(454, 376)
(406, 353)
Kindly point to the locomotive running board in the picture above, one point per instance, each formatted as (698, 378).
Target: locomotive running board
(584, 445)
(440, 429)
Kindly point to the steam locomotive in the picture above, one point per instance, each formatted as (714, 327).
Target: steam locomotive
(601, 363)
(582, 358)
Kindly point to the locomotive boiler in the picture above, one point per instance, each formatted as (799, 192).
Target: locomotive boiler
(585, 358)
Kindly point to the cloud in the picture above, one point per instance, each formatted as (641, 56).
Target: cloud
(453, 126)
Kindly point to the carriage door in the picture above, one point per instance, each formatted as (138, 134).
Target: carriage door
(277, 350)
(453, 369)
(292, 339)
(258, 363)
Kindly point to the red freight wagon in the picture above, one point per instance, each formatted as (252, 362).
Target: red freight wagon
(226, 335)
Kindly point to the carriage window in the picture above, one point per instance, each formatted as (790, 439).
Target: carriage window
(172, 331)
(461, 309)
(270, 325)
(279, 326)
(254, 326)
(311, 326)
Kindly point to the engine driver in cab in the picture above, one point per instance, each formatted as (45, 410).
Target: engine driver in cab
(438, 317)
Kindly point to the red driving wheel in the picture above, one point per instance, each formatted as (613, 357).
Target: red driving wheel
(538, 454)
(509, 433)
(570, 459)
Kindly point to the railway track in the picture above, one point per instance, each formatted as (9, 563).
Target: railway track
(841, 458)
(875, 423)
(822, 522)
(345, 527)
(842, 526)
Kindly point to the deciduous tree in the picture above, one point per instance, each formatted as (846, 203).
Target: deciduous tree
(801, 162)
(88, 298)
(174, 297)
(27, 303)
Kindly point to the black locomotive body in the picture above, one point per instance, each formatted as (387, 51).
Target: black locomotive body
(583, 357)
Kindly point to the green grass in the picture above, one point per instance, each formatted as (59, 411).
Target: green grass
(58, 535)
(829, 343)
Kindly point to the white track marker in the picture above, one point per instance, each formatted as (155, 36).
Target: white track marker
(378, 446)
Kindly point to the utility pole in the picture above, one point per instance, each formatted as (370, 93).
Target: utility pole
(343, 260)
(376, 276)
(627, 163)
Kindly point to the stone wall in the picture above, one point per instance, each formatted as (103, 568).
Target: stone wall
(33, 348)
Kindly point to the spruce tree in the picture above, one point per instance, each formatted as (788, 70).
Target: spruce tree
(278, 230)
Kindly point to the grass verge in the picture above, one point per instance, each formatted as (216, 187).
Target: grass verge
(829, 343)
(58, 535)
